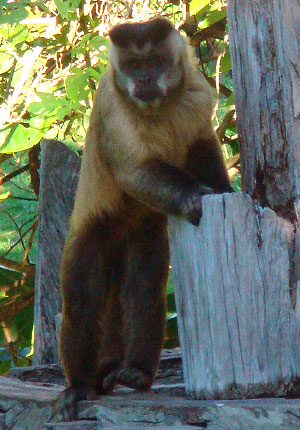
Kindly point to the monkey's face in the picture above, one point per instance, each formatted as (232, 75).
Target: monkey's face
(146, 60)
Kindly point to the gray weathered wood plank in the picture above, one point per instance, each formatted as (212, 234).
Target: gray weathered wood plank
(59, 175)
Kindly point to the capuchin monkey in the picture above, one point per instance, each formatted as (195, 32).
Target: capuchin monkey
(151, 150)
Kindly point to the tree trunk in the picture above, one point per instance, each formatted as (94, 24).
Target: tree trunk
(265, 53)
(237, 276)
(59, 175)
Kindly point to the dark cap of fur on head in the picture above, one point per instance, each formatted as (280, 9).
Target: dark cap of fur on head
(154, 31)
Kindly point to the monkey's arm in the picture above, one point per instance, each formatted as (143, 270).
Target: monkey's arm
(161, 186)
(205, 161)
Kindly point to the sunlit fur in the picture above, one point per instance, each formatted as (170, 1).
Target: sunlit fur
(163, 131)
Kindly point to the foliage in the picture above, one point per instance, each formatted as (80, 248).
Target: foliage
(52, 55)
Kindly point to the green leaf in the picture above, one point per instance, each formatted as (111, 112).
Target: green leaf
(230, 101)
(76, 84)
(73, 145)
(42, 122)
(6, 62)
(47, 104)
(197, 5)
(85, 38)
(225, 65)
(15, 34)
(97, 41)
(65, 111)
(49, 109)
(21, 138)
(172, 333)
(213, 16)
(171, 302)
(94, 73)
(24, 322)
(8, 277)
(66, 6)
(12, 13)
(4, 367)
(4, 196)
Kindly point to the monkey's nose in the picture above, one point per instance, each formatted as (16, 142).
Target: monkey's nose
(146, 82)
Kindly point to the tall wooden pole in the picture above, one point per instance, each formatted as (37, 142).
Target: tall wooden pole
(59, 175)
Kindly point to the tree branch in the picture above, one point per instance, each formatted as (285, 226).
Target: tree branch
(34, 164)
(15, 173)
(227, 121)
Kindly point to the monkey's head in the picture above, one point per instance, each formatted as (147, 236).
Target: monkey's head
(149, 60)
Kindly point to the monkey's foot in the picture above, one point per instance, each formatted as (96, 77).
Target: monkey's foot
(105, 370)
(130, 377)
(66, 404)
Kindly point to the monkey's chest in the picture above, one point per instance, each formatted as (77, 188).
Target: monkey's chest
(166, 142)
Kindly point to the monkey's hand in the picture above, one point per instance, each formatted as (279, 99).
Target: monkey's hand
(66, 404)
(192, 208)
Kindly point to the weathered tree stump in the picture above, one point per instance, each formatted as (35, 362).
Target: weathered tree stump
(59, 175)
(238, 327)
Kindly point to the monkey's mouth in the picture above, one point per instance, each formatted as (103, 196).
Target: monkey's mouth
(148, 96)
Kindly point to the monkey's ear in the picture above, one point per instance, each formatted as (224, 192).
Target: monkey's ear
(120, 34)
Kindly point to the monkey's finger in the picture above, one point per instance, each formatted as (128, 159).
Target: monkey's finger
(206, 190)
(194, 217)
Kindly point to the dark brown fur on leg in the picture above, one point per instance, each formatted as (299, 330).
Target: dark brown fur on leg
(85, 290)
(143, 303)
(111, 353)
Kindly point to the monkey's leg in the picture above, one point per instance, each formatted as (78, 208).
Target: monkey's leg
(85, 290)
(111, 355)
(144, 304)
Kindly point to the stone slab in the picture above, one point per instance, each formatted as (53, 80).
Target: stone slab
(2, 422)
(78, 425)
(11, 388)
(88, 425)
(163, 410)
(28, 406)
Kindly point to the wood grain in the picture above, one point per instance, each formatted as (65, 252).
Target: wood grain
(239, 328)
(59, 175)
(265, 53)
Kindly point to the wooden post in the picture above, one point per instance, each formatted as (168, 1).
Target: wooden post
(59, 175)
(237, 326)
(265, 53)
(237, 276)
